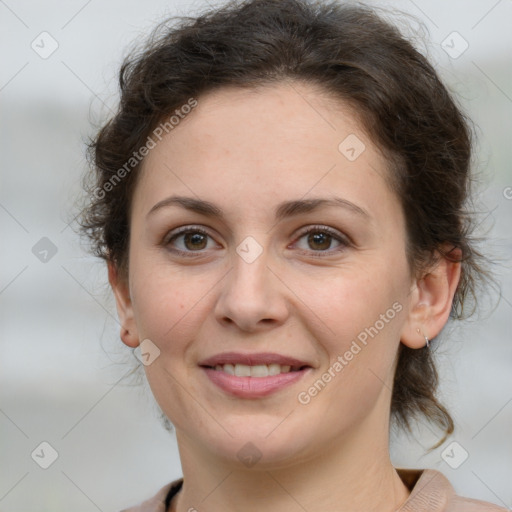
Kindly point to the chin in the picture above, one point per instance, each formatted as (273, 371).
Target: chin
(264, 443)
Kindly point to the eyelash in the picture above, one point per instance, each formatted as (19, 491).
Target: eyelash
(343, 240)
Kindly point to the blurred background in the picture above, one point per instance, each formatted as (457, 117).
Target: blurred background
(62, 367)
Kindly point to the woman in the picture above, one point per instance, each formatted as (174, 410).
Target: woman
(280, 200)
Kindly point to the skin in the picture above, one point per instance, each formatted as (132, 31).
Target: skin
(246, 151)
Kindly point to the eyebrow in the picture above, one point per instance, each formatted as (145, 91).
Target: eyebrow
(283, 210)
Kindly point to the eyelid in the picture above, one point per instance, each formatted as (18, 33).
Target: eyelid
(175, 233)
(184, 229)
(344, 240)
(340, 236)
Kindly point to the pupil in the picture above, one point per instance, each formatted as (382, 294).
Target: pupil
(322, 240)
(194, 239)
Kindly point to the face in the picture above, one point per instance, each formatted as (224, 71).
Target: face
(296, 267)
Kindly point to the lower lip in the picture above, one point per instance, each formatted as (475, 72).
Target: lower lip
(253, 387)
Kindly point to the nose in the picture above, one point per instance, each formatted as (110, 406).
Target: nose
(253, 297)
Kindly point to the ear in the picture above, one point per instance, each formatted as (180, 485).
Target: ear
(129, 333)
(431, 300)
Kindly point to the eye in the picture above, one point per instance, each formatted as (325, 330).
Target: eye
(188, 240)
(321, 238)
(314, 239)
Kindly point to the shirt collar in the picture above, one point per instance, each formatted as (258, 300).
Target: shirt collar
(430, 490)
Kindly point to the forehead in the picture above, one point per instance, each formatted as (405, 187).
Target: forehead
(285, 117)
(289, 137)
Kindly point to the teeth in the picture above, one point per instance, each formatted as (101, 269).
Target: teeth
(242, 370)
(228, 368)
(259, 370)
(274, 369)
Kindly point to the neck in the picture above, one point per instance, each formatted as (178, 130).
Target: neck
(353, 475)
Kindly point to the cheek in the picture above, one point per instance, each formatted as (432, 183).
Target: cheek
(359, 317)
(361, 344)
(165, 303)
(354, 298)
(169, 307)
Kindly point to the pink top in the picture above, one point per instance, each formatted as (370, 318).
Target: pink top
(430, 492)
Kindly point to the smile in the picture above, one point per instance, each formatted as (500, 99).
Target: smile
(253, 375)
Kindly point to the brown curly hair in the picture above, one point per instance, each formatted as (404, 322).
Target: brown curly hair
(354, 55)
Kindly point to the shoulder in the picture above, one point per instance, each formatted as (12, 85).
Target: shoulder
(460, 504)
(158, 502)
(431, 491)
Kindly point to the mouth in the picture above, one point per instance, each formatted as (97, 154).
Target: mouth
(253, 375)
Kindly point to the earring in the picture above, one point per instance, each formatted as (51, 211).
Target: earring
(426, 339)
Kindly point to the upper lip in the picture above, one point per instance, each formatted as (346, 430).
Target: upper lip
(252, 359)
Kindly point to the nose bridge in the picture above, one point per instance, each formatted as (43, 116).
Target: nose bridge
(250, 259)
(250, 274)
(250, 295)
